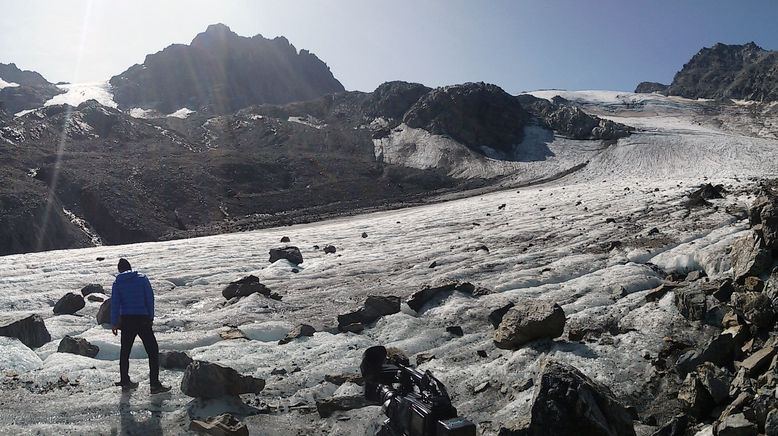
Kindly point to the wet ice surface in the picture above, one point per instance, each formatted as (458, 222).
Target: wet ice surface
(542, 244)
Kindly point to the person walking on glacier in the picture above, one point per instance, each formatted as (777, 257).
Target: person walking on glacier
(132, 312)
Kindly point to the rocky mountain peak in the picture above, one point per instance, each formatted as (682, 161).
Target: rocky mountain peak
(220, 72)
(739, 71)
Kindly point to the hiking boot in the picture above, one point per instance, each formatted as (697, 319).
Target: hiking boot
(128, 385)
(158, 389)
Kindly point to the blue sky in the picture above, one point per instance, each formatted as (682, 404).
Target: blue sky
(518, 45)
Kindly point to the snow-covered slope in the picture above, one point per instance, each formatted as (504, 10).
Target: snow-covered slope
(552, 241)
(77, 93)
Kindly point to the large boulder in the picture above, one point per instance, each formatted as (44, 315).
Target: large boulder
(749, 258)
(244, 287)
(375, 306)
(691, 303)
(69, 304)
(528, 321)
(104, 313)
(567, 402)
(292, 254)
(30, 330)
(209, 380)
(79, 346)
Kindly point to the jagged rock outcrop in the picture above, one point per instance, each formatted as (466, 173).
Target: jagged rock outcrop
(569, 120)
(567, 402)
(729, 71)
(475, 114)
(649, 87)
(393, 99)
(28, 89)
(221, 72)
(30, 330)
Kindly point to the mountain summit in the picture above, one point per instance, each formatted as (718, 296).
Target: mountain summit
(221, 71)
(744, 71)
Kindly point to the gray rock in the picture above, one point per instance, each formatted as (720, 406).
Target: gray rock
(715, 380)
(771, 423)
(92, 289)
(691, 303)
(209, 380)
(222, 425)
(104, 313)
(763, 216)
(528, 321)
(330, 249)
(567, 402)
(758, 362)
(69, 304)
(736, 425)
(174, 359)
(749, 258)
(756, 307)
(326, 407)
(495, 316)
(375, 306)
(30, 330)
(244, 287)
(292, 254)
(696, 399)
(298, 332)
(79, 346)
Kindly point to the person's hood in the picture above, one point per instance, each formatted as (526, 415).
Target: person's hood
(127, 275)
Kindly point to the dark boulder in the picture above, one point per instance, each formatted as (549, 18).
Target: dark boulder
(104, 313)
(92, 289)
(30, 330)
(375, 306)
(567, 402)
(292, 254)
(209, 380)
(174, 359)
(69, 304)
(528, 321)
(244, 287)
(79, 346)
(330, 249)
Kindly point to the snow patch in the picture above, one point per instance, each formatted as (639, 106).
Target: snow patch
(181, 113)
(308, 120)
(137, 112)
(84, 226)
(4, 84)
(77, 93)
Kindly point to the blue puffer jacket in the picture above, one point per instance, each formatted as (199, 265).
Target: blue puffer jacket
(131, 294)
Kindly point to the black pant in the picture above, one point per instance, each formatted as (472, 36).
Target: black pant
(138, 325)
